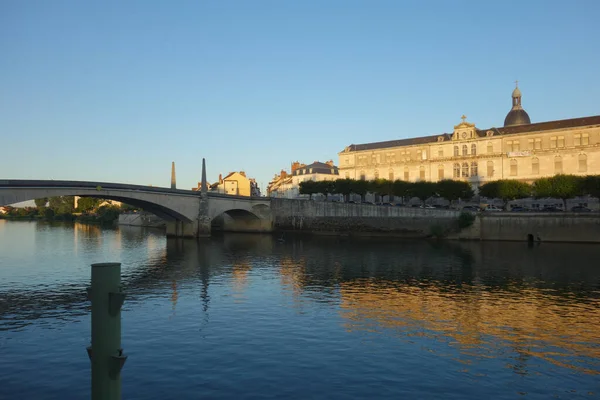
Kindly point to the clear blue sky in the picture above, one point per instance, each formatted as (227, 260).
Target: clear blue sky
(116, 90)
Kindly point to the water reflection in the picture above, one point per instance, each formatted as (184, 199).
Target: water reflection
(484, 300)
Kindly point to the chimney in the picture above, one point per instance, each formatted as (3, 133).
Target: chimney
(242, 173)
(220, 178)
(330, 163)
(283, 173)
(173, 180)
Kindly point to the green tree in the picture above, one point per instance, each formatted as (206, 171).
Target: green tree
(108, 214)
(401, 189)
(41, 202)
(452, 190)
(308, 187)
(61, 205)
(591, 185)
(361, 188)
(343, 187)
(507, 189)
(423, 190)
(86, 204)
(559, 186)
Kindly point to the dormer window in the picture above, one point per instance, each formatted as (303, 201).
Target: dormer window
(440, 138)
(489, 133)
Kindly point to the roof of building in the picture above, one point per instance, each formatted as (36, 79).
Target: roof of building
(517, 116)
(395, 143)
(320, 168)
(507, 130)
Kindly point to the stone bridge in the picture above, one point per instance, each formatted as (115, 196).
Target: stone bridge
(187, 213)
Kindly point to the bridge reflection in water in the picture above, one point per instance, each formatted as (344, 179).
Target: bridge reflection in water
(539, 303)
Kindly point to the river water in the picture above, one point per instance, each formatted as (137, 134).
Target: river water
(250, 316)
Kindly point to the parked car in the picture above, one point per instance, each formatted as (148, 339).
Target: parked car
(491, 207)
(471, 208)
(580, 209)
(519, 209)
(386, 204)
(427, 206)
(551, 209)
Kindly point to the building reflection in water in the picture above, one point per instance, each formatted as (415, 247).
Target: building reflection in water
(478, 321)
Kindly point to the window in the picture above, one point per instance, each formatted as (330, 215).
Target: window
(391, 158)
(553, 142)
(406, 174)
(490, 169)
(582, 163)
(516, 145)
(513, 168)
(455, 151)
(464, 150)
(474, 169)
(363, 177)
(440, 152)
(374, 159)
(465, 170)
(474, 149)
(577, 139)
(558, 165)
(391, 175)
(457, 170)
(376, 174)
(530, 144)
(585, 139)
(422, 173)
(535, 166)
(561, 141)
(490, 148)
(347, 175)
(440, 172)
(509, 146)
(347, 161)
(419, 155)
(538, 144)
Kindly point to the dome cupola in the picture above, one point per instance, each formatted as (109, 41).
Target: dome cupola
(516, 116)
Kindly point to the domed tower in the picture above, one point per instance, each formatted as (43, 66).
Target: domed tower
(516, 116)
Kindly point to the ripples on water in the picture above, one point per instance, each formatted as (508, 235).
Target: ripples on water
(243, 316)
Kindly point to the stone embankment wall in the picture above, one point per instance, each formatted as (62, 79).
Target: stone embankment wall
(358, 219)
(141, 219)
(543, 227)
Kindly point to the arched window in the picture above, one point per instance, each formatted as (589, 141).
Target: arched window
(457, 170)
(376, 174)
(513, 168)
(406, 174)
(474, 169)
(474, 149)
(535, 166)
(582, 163)
(362, 176)
(558, 165)
(440, 172)
(455, 151)
(465, 150)
(422, 172)
(465, 170)
(490, 169)
(391, 175)
(490, 148)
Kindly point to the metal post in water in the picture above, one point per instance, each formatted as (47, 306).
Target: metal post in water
(105, 352)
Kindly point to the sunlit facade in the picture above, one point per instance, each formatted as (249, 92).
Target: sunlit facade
(518, 150)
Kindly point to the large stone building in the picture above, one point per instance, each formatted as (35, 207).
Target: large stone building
(288, 185)
(519, 150)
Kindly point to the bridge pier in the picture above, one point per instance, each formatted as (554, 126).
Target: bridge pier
(183, 229)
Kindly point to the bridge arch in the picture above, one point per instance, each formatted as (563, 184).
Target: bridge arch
(157, 203)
